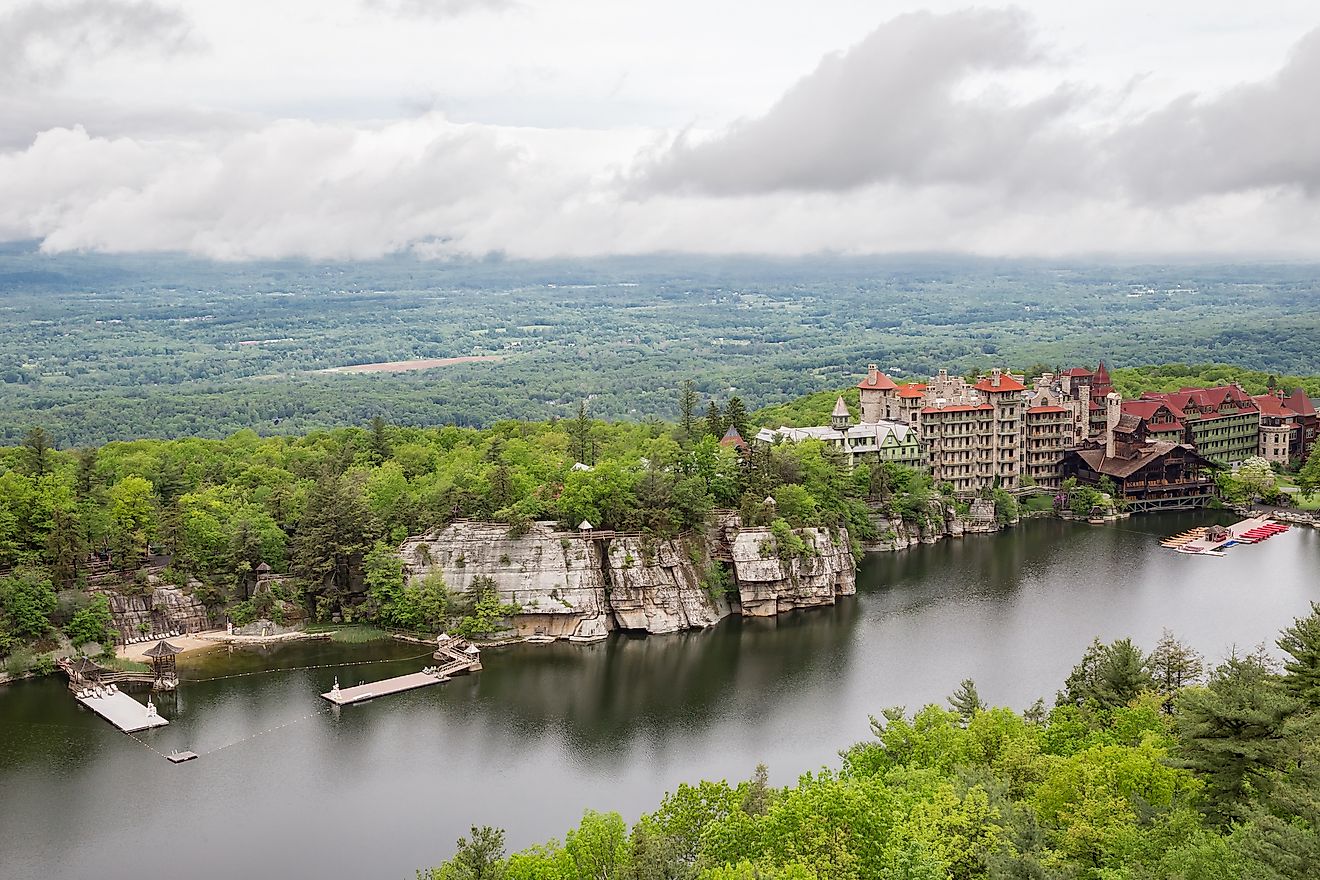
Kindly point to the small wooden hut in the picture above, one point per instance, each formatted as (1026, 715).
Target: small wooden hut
(164, 672)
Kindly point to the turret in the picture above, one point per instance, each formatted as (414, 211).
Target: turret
(1113, 412)
(839, 418)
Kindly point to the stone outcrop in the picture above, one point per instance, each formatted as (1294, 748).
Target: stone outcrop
(769, 583)
(164, 608)
(895, 533)
(657, 587)
(580, 585)
(555, 577)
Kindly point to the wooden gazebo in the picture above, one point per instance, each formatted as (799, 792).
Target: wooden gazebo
(161, 657)
(83, 672)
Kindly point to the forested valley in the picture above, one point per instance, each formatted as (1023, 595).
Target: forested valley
(1147, 766)
(99, 348)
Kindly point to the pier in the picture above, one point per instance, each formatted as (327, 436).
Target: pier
(120, 709)
(1213, 540)
(457, 657)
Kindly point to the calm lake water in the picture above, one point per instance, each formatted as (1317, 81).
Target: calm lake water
(376, 790)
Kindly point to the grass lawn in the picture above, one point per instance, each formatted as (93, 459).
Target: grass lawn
(352, 633)
(1312, 503)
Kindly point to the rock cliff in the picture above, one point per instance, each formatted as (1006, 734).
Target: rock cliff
(769, 584)
(580, 585)
(657, 587)
(165, 608)
(895, 533)
(556, 577)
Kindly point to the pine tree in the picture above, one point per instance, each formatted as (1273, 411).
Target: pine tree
(1173, 666)
(1301, 642)
(1282, 832)
(85, 480)
(380, 439)
(687, 410)
(1234, 732)
(580, 432)
(1108, 676)
(715, 421)
(965, 700)
(735, 416)
(36, 452)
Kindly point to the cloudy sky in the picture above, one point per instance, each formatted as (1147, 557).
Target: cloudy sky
(355, 128)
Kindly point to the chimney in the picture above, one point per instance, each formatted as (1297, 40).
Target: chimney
(1113, 412)
(994, 377)
(872, 374)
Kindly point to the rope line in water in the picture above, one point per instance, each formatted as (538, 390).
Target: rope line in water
(301, 668)
(263, 732)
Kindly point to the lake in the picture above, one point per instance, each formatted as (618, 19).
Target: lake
(288, 786)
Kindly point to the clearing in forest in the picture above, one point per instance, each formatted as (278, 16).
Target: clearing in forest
(406, 366)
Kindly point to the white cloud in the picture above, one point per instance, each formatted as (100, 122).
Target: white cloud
(922, 136)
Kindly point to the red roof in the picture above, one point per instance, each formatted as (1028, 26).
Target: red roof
(882, 382)
(1101, 374)
(1077, 372)
(1270, 405)
(1147, 409)
(1006, 383)
(1046, 409)
(1164, 427)
(961, 407)
(912, 390)
(1299, 403)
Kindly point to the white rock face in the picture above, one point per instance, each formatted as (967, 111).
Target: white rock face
(556, 578)
(769, 585)
(165, 609)
(572, 585)
(655, 586)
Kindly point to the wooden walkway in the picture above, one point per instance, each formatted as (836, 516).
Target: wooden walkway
(373, 689)
(121, 710)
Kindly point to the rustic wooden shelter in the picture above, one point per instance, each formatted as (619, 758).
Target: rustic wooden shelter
(163, 668)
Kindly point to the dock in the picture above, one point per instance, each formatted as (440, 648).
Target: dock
(457, 657)
(372, 689)
(1214, 540)
(120, 709)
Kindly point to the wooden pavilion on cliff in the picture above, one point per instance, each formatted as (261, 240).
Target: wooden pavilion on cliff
(1155, 475)
(161, 657)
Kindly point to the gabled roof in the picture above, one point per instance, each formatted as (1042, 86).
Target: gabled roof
(1270, 405)
(1133, 457)
(1147, 409)
(1006, 383)
(1299, 403)
(1077, 372)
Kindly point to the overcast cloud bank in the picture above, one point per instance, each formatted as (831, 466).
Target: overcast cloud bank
(912, 139)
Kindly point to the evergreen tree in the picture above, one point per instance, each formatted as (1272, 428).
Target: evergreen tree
(715, 426)
(1282, 831)
(965, 700)
(1234, 732)
(335, 533)
(735, 415)
(580, 432)
(1301, 642)
(85, 478)
(37, 455)
(1173, 666)
(380, 440)
(687, 411)
(1108, 676)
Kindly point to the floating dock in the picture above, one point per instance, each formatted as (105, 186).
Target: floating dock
(372, 689)
(1213, 541)
(458, 656)
(121, 710)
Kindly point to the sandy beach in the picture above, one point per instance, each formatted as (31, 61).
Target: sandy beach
(189, 642)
